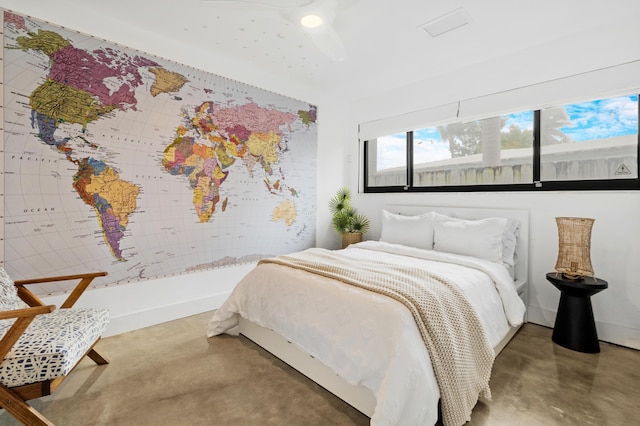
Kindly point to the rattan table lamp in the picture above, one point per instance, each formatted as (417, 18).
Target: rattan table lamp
(574, 247)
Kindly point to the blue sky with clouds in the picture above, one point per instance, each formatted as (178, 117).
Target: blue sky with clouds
(589, 120)
(602, 119)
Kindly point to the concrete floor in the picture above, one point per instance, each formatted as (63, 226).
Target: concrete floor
(171, 374)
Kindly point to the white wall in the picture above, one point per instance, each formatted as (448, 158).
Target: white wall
(615, 246)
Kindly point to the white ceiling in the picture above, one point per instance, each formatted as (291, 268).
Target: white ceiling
(385, 45)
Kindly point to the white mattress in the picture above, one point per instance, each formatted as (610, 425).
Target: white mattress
(366, 338)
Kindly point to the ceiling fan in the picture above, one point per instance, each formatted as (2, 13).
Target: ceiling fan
(315, 17)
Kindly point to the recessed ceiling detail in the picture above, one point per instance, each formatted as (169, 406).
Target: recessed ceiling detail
(447, 22)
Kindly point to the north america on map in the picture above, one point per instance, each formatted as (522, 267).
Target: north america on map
(120, 160)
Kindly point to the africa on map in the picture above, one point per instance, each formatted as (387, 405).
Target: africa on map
(121, 161)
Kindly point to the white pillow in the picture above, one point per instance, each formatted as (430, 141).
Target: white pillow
(478, 238)
(412, 231)
(509, 242)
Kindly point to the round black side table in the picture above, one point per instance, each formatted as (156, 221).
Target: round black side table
(575, 327)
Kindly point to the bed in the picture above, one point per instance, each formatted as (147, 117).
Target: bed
(368, 348)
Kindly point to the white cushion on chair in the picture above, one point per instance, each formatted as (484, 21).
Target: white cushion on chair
(52, 345)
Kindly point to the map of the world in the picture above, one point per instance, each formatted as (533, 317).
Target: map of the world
(120, 161)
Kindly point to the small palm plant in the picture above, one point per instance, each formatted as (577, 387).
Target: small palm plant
(346, 220)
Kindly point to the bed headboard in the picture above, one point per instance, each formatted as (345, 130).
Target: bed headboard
(521, 270)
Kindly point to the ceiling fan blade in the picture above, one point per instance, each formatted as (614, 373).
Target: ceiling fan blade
(329, 43)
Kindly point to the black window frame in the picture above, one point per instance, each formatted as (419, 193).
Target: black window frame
(536, 185)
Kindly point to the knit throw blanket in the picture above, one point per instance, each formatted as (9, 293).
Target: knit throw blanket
(460, 351)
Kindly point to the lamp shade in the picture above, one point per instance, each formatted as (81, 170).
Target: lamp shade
(574, 247)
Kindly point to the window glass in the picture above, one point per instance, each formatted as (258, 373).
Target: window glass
(492, 151)
(387, 161)
(590, 140)
(579, 146)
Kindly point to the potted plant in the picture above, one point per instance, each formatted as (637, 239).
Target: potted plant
(346, 220)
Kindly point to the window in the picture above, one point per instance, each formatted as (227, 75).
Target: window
(588, 145)
(387, 161)
(590, 140)
(496, 150)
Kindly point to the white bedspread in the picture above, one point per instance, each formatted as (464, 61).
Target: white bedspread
(366, 338)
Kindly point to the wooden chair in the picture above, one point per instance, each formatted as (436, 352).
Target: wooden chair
(40, 345)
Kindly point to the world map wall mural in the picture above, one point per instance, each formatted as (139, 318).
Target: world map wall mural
(121, 161)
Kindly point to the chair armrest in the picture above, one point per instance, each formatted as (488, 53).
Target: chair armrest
(23, 319)
(32, 300)
(27, 312)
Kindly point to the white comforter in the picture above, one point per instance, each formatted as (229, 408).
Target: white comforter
(367, 338)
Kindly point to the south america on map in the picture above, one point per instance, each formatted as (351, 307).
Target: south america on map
(122, 161)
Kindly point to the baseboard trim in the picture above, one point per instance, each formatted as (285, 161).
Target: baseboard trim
(607, 332)
(541, 316)
(158, 315)
(146, 303)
